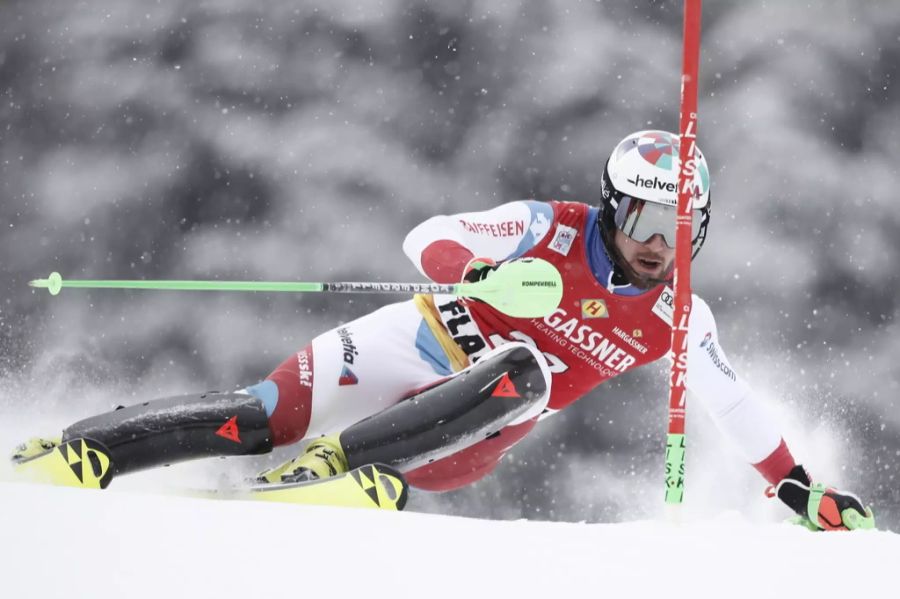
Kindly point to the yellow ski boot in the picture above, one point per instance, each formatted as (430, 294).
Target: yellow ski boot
(322, 458)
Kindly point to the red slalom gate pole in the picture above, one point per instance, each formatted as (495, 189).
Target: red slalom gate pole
(675, 441)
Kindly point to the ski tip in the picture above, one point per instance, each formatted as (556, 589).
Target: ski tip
(77, 462)
(53, 283)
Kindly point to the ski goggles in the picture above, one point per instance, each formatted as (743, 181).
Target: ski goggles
(640, 220)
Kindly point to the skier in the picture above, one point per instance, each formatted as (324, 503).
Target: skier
(440, 387)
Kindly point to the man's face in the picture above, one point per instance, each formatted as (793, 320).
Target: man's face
(647, 264)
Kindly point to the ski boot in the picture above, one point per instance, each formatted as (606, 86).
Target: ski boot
(322, 458)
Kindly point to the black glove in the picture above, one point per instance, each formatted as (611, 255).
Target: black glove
(820, 507)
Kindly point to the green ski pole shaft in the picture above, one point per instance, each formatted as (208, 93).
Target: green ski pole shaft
(55, 284)
(523, 288)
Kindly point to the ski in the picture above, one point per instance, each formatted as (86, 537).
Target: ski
(82, 463)
(371, 486)
(86, 464)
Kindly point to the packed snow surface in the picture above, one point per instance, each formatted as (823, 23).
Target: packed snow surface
(59, 542)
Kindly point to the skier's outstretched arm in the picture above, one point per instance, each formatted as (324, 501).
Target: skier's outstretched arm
(443, 246)
(757, 435)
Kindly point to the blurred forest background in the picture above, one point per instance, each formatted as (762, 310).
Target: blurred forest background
(302, 140)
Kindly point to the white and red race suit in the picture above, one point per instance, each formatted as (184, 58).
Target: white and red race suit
(602, 328)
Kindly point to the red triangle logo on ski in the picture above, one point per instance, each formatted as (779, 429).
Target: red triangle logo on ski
(347, 377)
(505, 388)
(229, 430)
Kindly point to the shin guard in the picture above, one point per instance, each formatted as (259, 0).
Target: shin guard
(174, 429)
(509, 384)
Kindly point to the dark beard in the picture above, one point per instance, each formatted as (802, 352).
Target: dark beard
(645, 282)
(623, 272)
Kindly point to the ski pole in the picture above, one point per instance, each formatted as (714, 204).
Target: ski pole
(526, 288)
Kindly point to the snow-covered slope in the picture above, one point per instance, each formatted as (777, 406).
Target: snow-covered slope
(57, 542)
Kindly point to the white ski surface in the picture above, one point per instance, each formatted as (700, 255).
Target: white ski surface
(59, 542)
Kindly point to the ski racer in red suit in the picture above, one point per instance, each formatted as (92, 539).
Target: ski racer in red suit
(396, 386)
